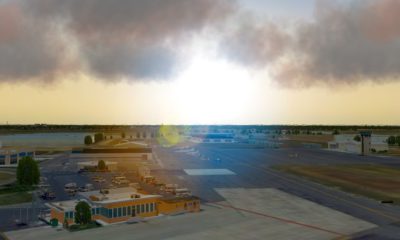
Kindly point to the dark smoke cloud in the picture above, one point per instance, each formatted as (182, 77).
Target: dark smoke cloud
(131, 39)
(345, 43)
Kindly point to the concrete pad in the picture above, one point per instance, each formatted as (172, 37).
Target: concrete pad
(207, 172)
(273, 202)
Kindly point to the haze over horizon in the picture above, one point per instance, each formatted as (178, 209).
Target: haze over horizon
(203, 62)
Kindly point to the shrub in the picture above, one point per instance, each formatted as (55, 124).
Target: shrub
(28, 171)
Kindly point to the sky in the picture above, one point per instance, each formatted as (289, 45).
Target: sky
(199, 62)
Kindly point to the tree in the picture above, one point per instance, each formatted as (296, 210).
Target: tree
(83, 214)
(88, 140)
(335, 132)
(28, 171)
(98, 137)
(391, 140)
(357, 138)
(66, 224)
(101, 165)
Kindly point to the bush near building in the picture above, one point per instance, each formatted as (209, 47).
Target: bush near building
(83, 213)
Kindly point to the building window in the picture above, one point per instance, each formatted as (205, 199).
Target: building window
(114, 212)
(119, 212)
(66, 215)
(129, 210)
(142, 208)
(110, 213)
(14, 159)
(147, 207)
(124, 211)
(97, 211)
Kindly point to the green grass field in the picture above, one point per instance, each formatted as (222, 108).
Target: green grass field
(7, 177)
(15, 198)
(374, 181)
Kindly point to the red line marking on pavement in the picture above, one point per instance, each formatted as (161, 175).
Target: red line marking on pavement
(283, 219)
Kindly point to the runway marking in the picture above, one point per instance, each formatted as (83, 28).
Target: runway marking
(283, 220)
(207, 172)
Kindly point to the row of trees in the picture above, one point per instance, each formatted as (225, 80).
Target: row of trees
(394, 140)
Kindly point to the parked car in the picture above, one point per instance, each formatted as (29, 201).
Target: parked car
(169, 188)
(182, 192)
(70, 186)
(98, 179)
(48, 196)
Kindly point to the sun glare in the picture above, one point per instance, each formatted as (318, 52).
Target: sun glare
(213, 89)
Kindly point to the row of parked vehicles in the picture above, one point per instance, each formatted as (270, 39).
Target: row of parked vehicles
(72, 188)
(167, 188)
(174, 189)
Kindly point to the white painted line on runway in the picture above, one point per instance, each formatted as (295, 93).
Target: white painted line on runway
(201, 172)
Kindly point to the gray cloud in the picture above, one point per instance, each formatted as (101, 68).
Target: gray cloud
(125, 61)
(141, 40)
(130, 39)
(346, 43)
(26, 50)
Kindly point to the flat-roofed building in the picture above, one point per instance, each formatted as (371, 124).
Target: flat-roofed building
(92, 165)
(347, 143)
(122, 204)
(138, 153)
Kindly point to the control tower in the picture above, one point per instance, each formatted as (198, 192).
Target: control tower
(365, 142)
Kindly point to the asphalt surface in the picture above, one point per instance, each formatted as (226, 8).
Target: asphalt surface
(251, 166)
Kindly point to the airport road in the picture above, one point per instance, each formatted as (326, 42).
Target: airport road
(251, 167)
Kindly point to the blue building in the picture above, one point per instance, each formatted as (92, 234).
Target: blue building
(11, 157)
(213, 138)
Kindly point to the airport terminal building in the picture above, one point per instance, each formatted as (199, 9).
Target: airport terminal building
(122, 204)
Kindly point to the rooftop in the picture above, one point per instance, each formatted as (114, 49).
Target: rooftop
(115, 195)
(174, 199)
(68, 205)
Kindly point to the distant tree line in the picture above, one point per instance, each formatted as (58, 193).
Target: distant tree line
(122, 128)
